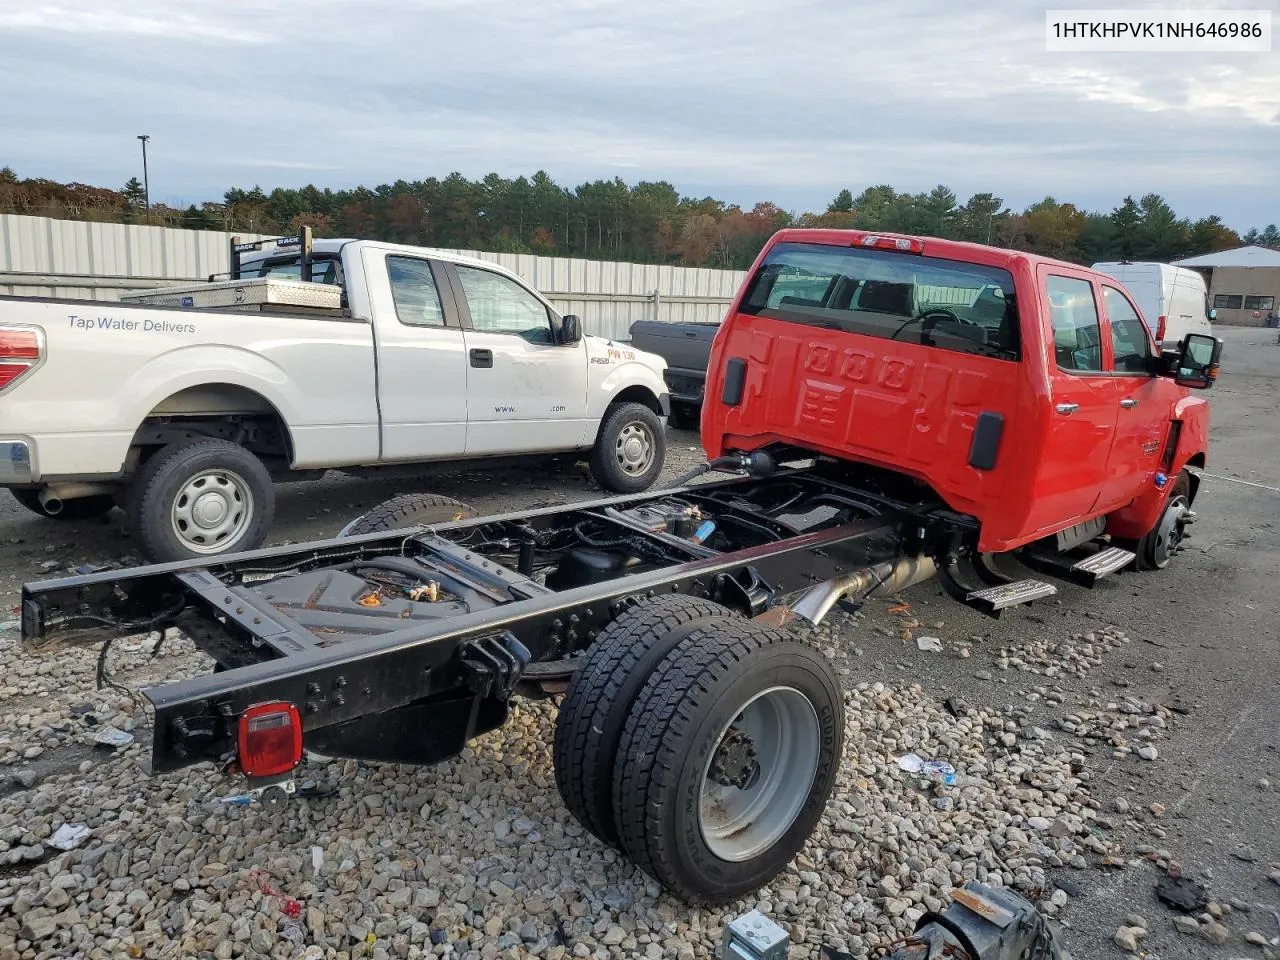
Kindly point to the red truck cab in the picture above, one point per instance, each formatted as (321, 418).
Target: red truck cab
(1025, 392)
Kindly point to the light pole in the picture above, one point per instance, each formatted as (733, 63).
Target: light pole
(146, 183)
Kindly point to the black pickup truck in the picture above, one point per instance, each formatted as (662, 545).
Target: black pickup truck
(686, 347)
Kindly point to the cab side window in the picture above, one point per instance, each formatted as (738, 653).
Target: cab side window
(1128, 334)
(1077, 334)
(413, 288)
(500, 305)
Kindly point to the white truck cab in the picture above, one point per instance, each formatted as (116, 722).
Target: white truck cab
(183, 413)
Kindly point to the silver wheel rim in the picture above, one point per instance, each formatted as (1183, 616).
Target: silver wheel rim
(1169, 534)
(212, 511)
(634, 449)
(774, 774)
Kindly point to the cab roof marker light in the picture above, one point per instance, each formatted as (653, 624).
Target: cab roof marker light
(903, 244)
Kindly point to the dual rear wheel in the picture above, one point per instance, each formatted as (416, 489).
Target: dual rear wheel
(703, 746)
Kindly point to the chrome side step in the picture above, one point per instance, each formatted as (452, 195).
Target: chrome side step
(1103, 563)
(992, 600)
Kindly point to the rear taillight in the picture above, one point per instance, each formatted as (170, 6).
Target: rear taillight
(1160, 325)
(270, 739)
(20, 349)
(903, 244)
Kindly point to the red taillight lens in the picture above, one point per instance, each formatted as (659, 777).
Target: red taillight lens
(19, 352)
(270, 739)
(1160, 325)
(903, 244)
(19, 345)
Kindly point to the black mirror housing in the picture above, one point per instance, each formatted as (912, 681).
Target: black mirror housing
(1197, 361)
(570, 329)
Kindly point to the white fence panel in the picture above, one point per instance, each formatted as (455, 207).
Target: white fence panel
(40, 257)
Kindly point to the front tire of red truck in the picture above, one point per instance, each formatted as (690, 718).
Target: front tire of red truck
(200, 498)
(1157, 549)
(728, 757)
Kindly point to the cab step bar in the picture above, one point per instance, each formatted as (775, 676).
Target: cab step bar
(991, 600)
(1085, 571)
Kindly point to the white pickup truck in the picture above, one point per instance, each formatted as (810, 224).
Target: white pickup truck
(184, 415)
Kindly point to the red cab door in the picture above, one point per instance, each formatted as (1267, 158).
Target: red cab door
(1082, 402)
(1142, 402)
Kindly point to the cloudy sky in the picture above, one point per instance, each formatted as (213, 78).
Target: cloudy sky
(786, 100)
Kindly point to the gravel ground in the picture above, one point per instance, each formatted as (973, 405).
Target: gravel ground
(1102, 741)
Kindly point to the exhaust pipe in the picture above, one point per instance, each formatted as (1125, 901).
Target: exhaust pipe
(816, 602)
(53, 497)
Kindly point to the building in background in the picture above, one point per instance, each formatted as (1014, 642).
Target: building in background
(1244, 284)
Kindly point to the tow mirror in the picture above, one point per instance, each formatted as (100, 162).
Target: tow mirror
(1197, 365)
(570, 329)
(1213, 314)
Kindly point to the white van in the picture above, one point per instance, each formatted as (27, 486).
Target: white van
(1173, 300)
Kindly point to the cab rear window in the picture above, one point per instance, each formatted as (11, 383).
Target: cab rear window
(948, 304)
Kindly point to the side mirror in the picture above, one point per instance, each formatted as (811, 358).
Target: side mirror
(570, 329)
(1213, 314)
(1197, 365)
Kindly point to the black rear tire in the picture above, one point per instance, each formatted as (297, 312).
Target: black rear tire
(599, 698)
(625, 425)
(411, 510)
(169, 482)
(81, 508)
(682, 717)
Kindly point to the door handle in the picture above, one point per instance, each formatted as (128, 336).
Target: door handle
(482, 358)
(1066, 409)
(1129, 402)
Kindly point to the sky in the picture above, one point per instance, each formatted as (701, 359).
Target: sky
(782, 100)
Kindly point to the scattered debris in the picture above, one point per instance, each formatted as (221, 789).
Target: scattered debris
(112, 737)
(1187, 925)
(929, 644)
(934, 769)
(1183, 893)
(1215, 932)
(1126, 938)
(68, 836)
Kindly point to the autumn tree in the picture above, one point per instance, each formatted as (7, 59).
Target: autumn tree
(646, 222)
(843, 203)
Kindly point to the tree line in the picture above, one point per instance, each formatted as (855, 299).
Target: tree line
(648, 222)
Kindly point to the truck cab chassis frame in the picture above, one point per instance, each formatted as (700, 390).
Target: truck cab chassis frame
(517, 597)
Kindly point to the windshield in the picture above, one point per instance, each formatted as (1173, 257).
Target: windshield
(948, 304)
(323, 269)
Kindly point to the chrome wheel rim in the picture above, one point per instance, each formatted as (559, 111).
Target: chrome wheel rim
(634, 449)
(758, 777)
(212, 511)
(1173, 525)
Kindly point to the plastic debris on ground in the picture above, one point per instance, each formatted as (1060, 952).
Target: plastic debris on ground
(236, 800)
(68, 836)
(929, 644)
(112, 737)
(1182, 892)
(317, 860)
(7, 625)
(933, 769)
